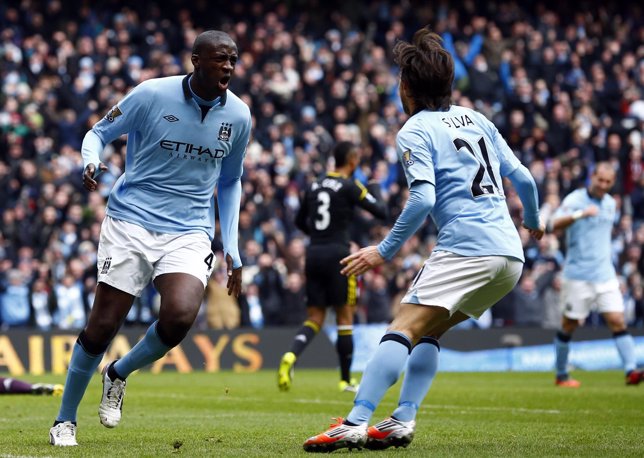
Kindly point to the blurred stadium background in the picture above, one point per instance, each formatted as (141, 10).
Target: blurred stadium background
(564, 82)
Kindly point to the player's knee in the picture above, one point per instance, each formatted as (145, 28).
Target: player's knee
(103, 328)
(172, 332)
(171, 336)
(616, 324)
(346, 320)
(568, 325)
(316, 315)
(414, 328)
(96, 339)
(408, 331)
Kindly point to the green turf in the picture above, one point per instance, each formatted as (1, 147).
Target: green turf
(244, 415)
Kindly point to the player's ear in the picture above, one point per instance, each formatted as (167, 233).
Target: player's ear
(403, 87)
(194, 58)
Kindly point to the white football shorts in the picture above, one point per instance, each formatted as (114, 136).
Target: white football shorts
(580, 297)
(468, 284)
(129, 256)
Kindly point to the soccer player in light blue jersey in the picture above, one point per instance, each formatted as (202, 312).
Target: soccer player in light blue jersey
(589, 281)
(187, 137)
(454, 160)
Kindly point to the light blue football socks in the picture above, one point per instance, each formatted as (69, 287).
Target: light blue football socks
(81, 369)
(562, 348)
(145, 352)
(381, 373)
(626, 348)
(419, 375)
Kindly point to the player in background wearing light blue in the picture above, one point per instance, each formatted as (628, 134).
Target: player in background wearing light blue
(187, 136)
(454, 160)
(589, 281)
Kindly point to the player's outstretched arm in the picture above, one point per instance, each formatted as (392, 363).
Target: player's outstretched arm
(562, 222)
(422, 197)
(361, 261)
(527, 190)
(536, 233)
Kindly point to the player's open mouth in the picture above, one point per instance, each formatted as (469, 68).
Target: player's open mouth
(223, 83)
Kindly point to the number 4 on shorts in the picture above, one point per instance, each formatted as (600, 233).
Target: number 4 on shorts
(208, 260)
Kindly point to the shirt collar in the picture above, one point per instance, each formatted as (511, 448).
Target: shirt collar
(187, 94)
(591, 197)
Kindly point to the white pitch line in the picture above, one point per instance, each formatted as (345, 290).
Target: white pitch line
(4, 455)
(461, 409)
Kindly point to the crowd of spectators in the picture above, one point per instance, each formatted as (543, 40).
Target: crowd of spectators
(564, 83)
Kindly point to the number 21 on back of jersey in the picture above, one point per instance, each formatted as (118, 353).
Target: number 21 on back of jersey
(484, 172)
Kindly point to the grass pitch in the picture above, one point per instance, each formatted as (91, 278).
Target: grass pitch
(244, 415)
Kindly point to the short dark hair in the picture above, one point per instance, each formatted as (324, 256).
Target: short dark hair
(211, 38)
(604, 165)
(341, 153)
(427, 68)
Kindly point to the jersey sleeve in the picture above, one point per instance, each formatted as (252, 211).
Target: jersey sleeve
(527, 191)
(91, 149)
(302, 213)
(229, 194)
(567, 207)
(413, 148)
(507, 159)
(422, 198)
(232, 165)
(128, 115)
(368, 200)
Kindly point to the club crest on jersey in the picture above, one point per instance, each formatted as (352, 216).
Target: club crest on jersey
(114, 113)
(406, 156)
(225, 131)
(106, 265)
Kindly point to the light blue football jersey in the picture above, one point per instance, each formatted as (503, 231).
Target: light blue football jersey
(174, 159)
(465, 157)
(588, 240)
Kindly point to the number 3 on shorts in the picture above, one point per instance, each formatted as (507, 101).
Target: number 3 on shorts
(208, 261)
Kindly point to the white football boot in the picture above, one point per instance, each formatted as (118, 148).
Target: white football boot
(111, 406)
(63, 434)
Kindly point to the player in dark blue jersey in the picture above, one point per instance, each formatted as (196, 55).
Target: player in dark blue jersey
(187, 137)
(326, 213)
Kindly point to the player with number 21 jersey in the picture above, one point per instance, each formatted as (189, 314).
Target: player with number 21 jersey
(464, 157)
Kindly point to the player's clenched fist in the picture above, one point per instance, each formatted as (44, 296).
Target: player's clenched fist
(90, 174)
